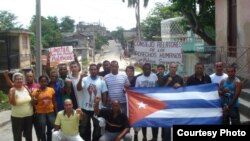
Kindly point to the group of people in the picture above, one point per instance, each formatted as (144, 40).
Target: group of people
(62, 106)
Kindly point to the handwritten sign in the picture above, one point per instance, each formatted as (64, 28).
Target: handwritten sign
(61, 54)
(157, 52)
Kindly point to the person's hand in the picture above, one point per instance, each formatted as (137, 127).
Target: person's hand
(177, 85)
(68, 82)
(79, 111)
(226, 90)
(97, 100)
(169, 80)
(225, 109)
(84, 73)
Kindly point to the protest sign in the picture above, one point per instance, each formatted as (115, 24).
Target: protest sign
(158, 52)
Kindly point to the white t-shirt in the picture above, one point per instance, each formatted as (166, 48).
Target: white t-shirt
(77, 93)
(146, 81)
(91, 89)
(217, 78)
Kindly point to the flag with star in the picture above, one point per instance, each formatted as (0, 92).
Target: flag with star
(167, 106)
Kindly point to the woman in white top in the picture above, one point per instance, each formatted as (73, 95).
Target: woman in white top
(21, 109)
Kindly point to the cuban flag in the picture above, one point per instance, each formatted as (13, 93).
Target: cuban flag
(167, 106)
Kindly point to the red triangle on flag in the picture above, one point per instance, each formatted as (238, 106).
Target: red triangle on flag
(140, 106)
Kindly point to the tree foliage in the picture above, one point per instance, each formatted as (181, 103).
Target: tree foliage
(67, 24)
(118, 35)
(133, 3)
(100, 41)
(8, 21)
(51, 34)
(200, 16)
(151, 26)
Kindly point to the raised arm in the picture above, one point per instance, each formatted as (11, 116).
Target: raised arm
(79, 84)
(7, 79)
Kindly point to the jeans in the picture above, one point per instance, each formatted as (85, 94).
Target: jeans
(232, 116)
(22, 125)
(85, 127)
(43, 121)
(166, 134)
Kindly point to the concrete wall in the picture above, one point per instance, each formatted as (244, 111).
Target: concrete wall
(243, 33)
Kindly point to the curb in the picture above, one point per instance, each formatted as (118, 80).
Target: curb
(4, 123)
(4, 117)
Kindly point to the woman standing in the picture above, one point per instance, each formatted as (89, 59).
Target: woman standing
(45, 109)
(21, 109)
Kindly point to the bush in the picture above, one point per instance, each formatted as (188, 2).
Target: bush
(4, 101)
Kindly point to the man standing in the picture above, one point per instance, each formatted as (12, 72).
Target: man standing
(75, 77)
(67, 123)
(148, 79)
(117, 125)
(172, 80)
(93, 86)
(199, 77)
(219, 74)
(116, 83)
(106, 68)
(229, 91)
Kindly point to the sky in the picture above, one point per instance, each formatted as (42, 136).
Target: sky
(110, 13)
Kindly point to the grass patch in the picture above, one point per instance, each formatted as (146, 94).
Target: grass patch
(4, 101)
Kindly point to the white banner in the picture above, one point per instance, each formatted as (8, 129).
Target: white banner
(157, 52)
(61, 54)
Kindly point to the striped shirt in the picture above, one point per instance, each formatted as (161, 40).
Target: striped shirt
(116, 85)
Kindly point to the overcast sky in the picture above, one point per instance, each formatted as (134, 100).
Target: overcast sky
(111, 13)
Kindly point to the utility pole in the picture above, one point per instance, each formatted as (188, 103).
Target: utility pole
(38, 39)
(94, 48)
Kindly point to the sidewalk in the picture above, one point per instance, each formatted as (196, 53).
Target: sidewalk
(4, 117)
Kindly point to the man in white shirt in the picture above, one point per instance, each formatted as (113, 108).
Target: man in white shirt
(93, 86)
(148, 79)
(219, 74)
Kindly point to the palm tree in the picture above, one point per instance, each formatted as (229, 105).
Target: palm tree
(136, 4)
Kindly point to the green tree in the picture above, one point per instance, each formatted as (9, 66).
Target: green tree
(118, 35)
(67, 24)
(51, 34)
(100, 41)
(136, 4)
(8, 21)
(151, 26)
(200, 16)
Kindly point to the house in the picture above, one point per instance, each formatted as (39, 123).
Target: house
(15, 50)
(80, 43)
(232, 20)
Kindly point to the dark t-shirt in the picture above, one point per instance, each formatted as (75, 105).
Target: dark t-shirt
(132, 82)
(193, 80)
(114, 124)
(175, 79)
(103, 73)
